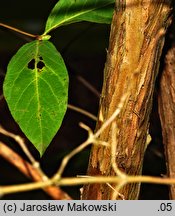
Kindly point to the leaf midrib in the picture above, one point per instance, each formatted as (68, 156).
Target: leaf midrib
(37, 91)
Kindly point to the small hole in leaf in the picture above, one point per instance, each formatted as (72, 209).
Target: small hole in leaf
(31, 64)
(40, 65)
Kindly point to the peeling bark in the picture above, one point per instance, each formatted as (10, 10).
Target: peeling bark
(167, 113)
(136, 40)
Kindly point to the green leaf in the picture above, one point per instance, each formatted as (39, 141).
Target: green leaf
(36, 90)
(71, 11)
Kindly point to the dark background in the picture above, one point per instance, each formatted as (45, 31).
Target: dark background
(83, 47)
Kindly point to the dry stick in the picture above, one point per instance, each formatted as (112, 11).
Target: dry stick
(21, 143)
(29, 171)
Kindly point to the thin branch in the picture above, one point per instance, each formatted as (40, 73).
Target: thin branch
(82, 111)
(92, 138)
(116, 192)
(67, 158)
(89, 180)
(74, 152)
(114, 189)
(21, 143)
(24, 187)
(89, 86)
(18, 30)
(113, 116)
(78, 181)
(118, 172)
(29, 171)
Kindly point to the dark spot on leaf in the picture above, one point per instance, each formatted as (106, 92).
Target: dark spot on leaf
(40, 65)
(31, 64)
(41, 58)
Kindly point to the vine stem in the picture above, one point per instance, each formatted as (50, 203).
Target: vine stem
(18, 30)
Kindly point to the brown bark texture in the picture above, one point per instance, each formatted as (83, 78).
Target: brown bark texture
(135, 45)
(167, 113)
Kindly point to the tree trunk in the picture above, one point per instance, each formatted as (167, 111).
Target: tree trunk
(167, 113)
(136, 40)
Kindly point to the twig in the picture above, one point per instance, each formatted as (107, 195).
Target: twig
(118, 172)
(82, 111)
(92, 138)
(116, 192)
(75, 151)
(120, 180)
(68, 157)
(113, 116)
(115, 179)
(18, 30)
(21, 143)
(114, 189)
(30, 172)
(78, 181)
(89, 86)
(56, 179)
